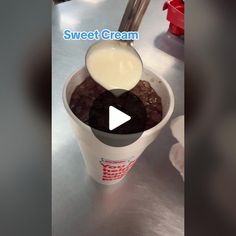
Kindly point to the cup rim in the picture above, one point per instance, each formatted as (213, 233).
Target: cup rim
(147, 132)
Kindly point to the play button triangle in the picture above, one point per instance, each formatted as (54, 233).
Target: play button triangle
(117, 118)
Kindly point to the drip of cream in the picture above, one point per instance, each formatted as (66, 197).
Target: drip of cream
(114, 66)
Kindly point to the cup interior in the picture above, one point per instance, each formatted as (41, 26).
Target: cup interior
(158, 84)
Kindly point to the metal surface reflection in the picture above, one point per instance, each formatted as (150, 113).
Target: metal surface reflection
(150, 201)
(93, 1)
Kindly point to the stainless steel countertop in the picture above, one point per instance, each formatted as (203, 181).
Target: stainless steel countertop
(151, 199)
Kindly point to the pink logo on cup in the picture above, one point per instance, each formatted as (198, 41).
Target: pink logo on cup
(114, 170)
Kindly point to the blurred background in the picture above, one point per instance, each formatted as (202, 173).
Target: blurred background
(210, 118)
(25, 118)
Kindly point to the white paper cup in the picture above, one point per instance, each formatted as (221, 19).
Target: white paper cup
(107, 164)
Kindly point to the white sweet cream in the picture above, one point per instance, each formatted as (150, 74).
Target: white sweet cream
(114, 66)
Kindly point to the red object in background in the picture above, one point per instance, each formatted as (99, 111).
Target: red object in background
(175, 15)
